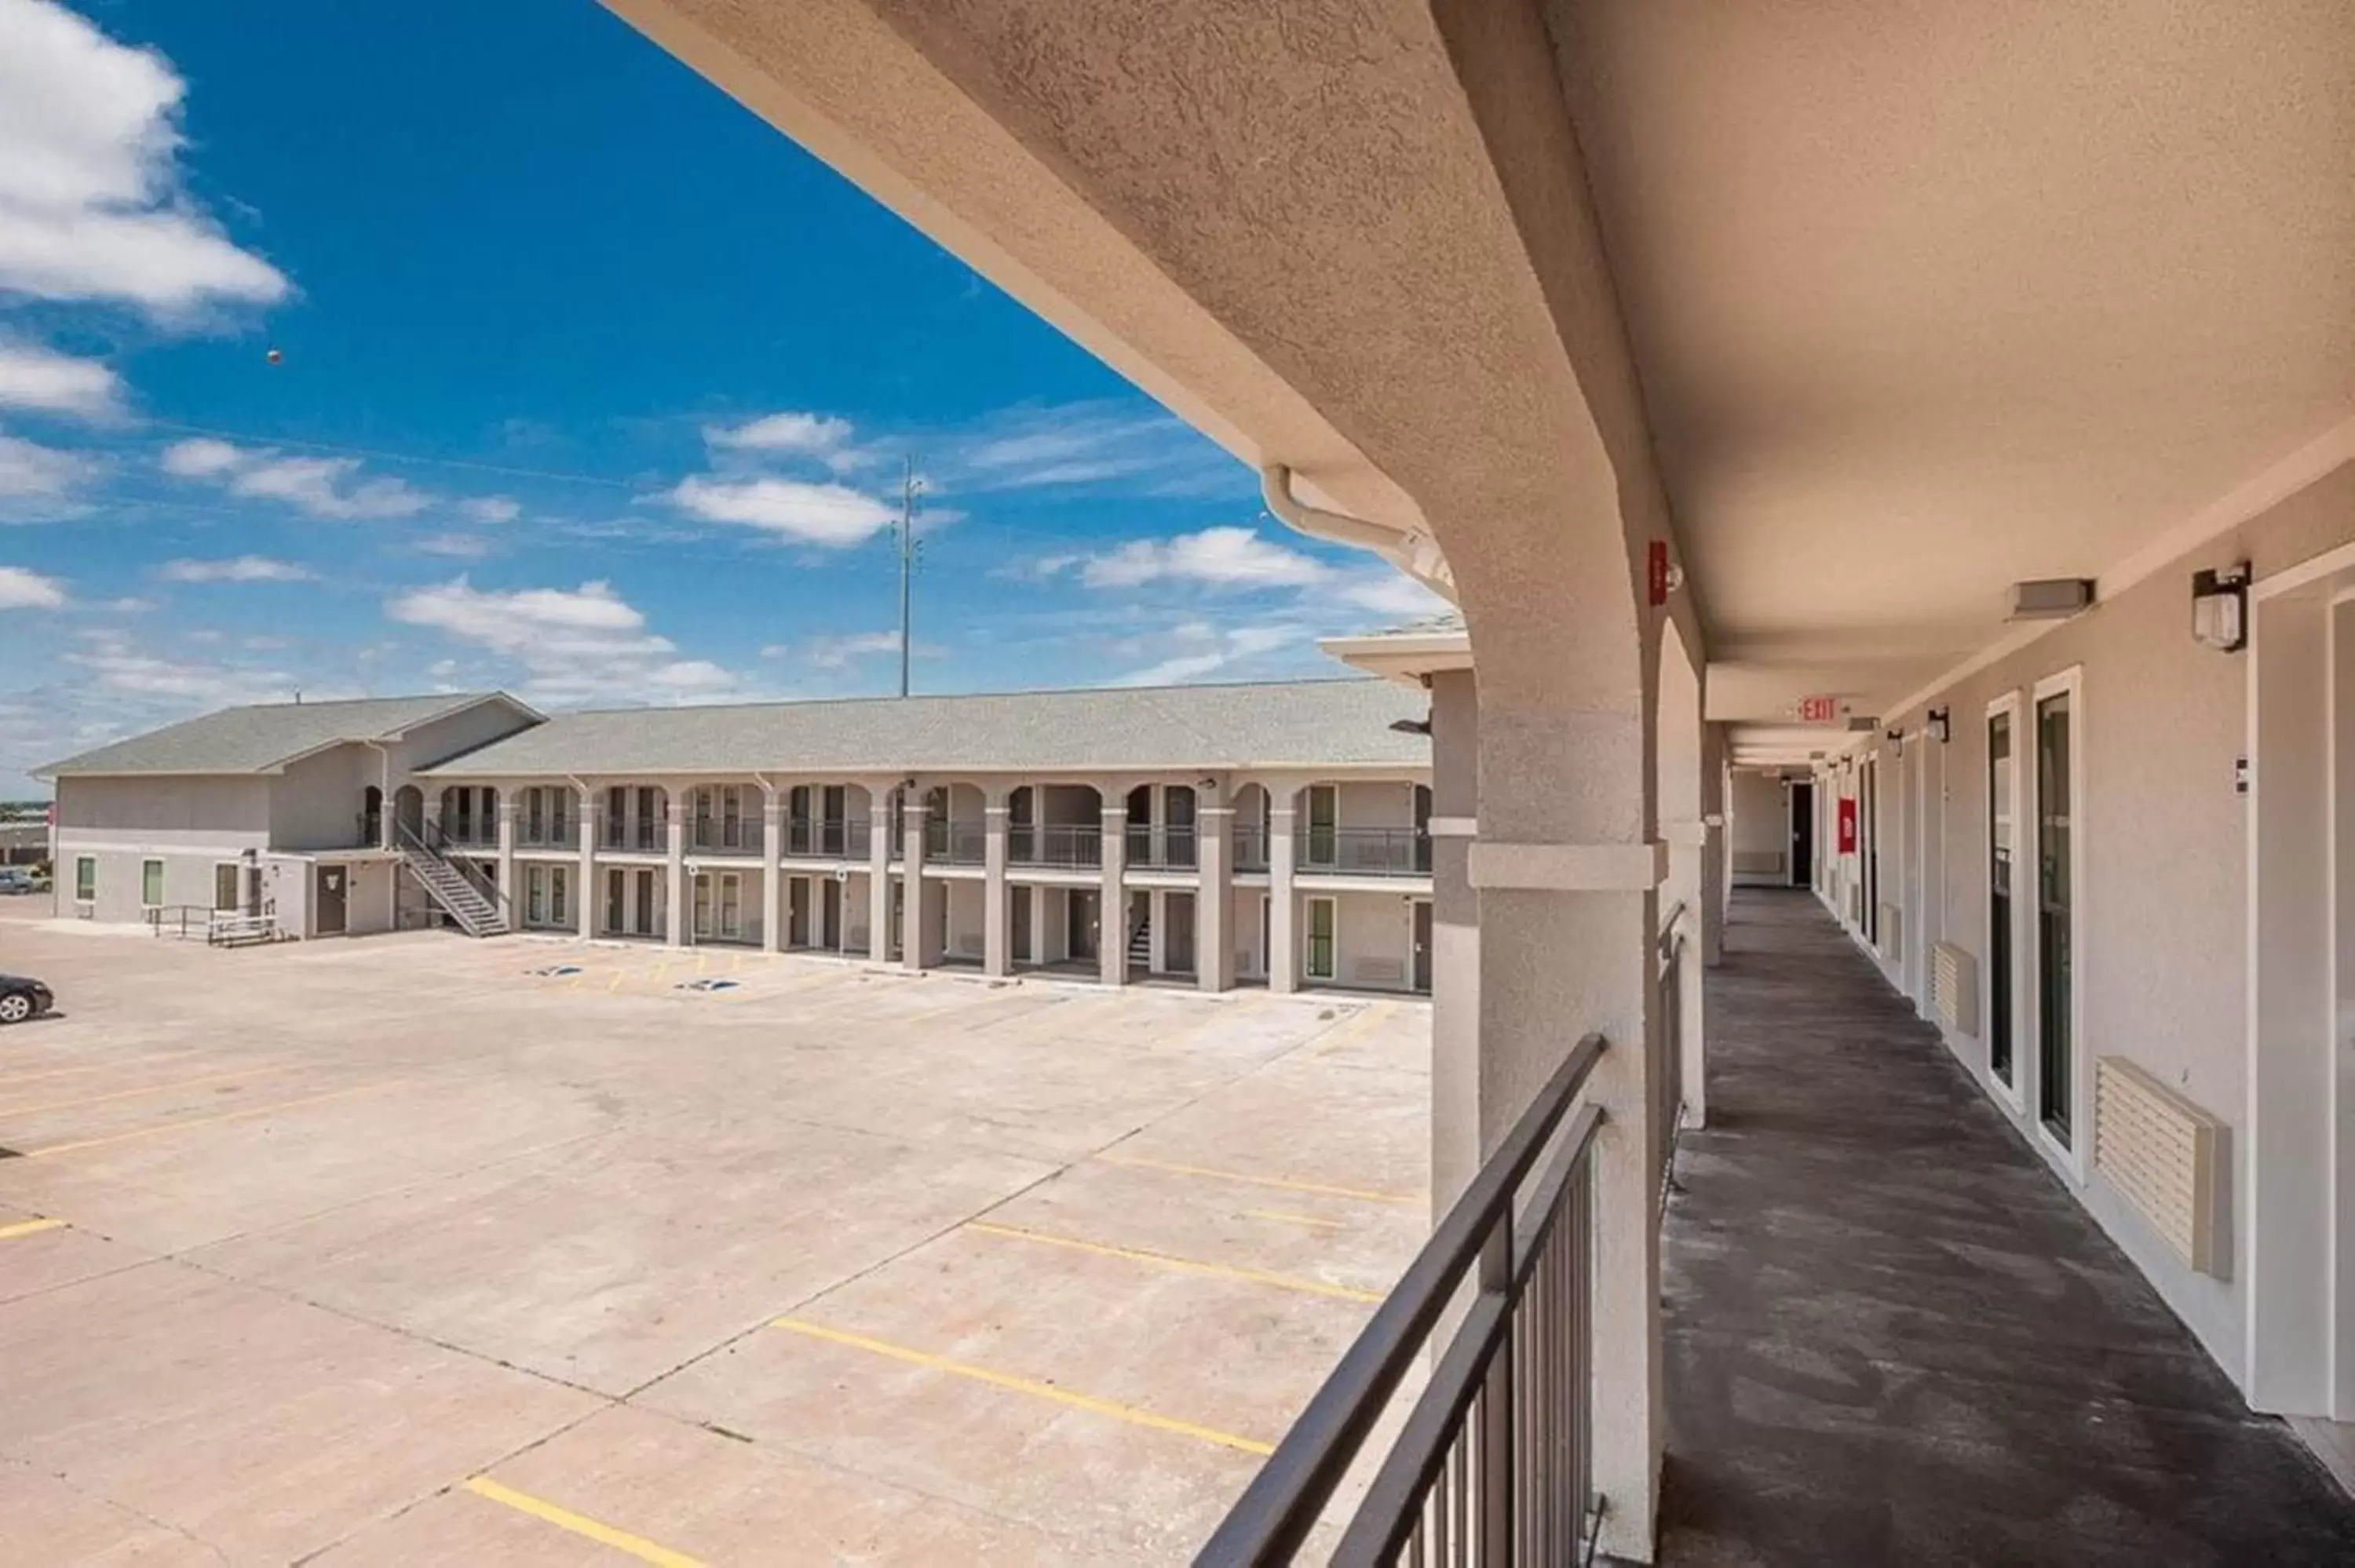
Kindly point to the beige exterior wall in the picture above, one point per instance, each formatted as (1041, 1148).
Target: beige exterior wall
(2162, 928)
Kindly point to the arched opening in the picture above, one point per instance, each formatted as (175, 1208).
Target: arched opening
(409, 809)
(372, 815)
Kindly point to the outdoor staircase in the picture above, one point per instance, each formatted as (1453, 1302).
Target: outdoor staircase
(1140, 944)
(451, 890)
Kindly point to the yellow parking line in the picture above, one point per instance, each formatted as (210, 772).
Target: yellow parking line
(207, 1120)
(1288, 1218)
(1184, 1264)
(29, 1227)
(638, 1546)
(1347, 1030)
(615, 984)
(94, 1067)
(150, 1089)
(1047, 1391)
(1283, 1182)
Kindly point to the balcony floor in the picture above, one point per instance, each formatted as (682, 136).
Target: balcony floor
(1893, 1337)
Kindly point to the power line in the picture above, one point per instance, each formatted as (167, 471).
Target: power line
(906, 564)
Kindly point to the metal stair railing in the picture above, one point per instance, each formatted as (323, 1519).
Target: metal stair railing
(466, 895)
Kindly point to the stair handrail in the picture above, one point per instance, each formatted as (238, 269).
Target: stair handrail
(501, 905)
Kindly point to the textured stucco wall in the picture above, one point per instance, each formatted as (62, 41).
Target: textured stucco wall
(193, 810)
(317, 803)
(2162, 946)
(1757, 829)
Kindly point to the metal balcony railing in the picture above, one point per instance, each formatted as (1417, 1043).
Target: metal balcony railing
(1364, 852)
(643, 835)
(956, 843)
(717, 836)
(828, 837)
(1494, 1463)
(1250, 847)
(1056, 843)
(1169, 849)
(1668, 1105)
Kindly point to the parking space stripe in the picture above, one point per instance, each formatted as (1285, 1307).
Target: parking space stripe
(93, 1067)
(1047, 1391)
(159, 1128)
(1315, 1221)
(638, 1546)
(150, 1089)
(1342, 1033)
(1282, 1183)
(29, 1228)
(1171, 1260)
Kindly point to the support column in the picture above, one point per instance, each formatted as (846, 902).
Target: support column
(773, 875)
(1716, 882)
(1214, 899)
(682, 908)
(997, 914)
(506, 852)
(879, 828)
(586, 907)
(1282, 907)
(1454, 938)
(1111, 927)
(920, 937)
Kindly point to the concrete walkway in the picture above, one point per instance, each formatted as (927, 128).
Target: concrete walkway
(1893, 1338)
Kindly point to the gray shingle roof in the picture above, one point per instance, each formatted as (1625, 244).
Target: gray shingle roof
(260, 738)
(1300, 723)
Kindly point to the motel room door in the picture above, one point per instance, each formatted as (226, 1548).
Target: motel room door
(329, 903)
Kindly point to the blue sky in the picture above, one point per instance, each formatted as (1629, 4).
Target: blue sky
(591, 386)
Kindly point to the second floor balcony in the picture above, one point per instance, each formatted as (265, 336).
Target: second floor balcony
(1055, 844)
(828, 837)
(1363, 852)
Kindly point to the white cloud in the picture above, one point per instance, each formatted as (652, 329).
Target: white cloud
(1223, 557)
(576, 644)
(47, 382)
(1090, 443)
(24, 589)
(811, 435)
(841, 653)
(91, 204)
(831, 514)
(29, 468)
(1215, 651)
(461, 546)
(491, 509)
(1391, 594)
(320, 486)
(239, 569)
(114, 663)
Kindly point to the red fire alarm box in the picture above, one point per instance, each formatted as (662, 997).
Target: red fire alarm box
(1848, 826)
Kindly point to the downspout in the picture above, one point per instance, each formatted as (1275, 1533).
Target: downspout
(1415, 553)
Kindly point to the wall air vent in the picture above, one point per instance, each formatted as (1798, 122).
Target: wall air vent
(1955, 988)
(2159, 1151)
(2051, 598)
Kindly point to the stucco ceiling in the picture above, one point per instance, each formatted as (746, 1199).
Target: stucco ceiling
(1930, 298)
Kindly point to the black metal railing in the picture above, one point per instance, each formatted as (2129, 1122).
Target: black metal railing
(828, 837)
(1364, 852)
(720, 835)
(1165, 849)
(1056, 843)
(1494, 1463)
(459, 856)
(956, 843)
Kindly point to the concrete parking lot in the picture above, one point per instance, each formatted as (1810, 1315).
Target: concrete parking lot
(415, 1249)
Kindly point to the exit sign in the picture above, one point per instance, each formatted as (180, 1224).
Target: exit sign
(1818, 710)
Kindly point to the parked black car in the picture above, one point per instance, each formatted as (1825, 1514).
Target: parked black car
(22, 997)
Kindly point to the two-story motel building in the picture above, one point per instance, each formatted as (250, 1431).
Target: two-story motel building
(1275, 834)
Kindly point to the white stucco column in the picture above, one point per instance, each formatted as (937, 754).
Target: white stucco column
(919, 934)
(1214, 901)
(772, 876)
(1454, 938)
(506, 853)
(1112, 929)
(997, 918)
(586, 905)
(879, 829)
(682, 908)
(1282, 907)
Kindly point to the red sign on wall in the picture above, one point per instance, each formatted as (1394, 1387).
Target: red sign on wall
(1818, 710)
(1847, 827)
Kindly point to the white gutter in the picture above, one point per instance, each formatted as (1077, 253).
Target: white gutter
(1416, 553)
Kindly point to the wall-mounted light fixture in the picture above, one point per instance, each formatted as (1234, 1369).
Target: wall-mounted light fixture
(1942, 724)
(2220, 608)
(1411, 726)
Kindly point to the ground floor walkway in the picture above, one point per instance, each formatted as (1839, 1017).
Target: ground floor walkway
(1893, 1337)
